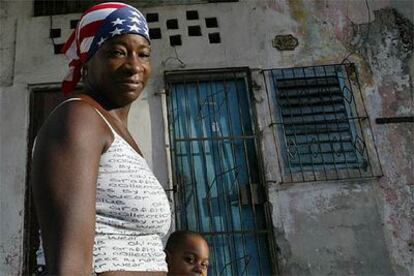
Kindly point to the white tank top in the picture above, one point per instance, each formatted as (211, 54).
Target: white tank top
(132, 212)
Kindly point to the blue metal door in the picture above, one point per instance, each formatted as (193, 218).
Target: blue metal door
(216, 170)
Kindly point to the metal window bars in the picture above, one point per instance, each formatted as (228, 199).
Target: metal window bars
(216, 169)
(54, 7)
(320, 123)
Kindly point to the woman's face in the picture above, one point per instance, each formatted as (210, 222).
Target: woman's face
(120, 69)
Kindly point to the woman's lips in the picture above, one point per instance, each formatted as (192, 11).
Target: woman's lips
(131, 84)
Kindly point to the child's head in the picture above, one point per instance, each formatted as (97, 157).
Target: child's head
(187, 254)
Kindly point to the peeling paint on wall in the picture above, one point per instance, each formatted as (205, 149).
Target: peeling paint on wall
(386, 54)
(312, 214)
(10, 253)
(388, 48)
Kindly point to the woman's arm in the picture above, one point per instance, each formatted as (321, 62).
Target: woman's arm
(64, 173)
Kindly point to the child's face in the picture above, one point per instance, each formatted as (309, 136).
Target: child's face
(190, 258)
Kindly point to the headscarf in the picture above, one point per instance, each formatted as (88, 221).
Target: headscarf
(98, 24)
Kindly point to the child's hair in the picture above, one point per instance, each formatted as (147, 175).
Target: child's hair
(178, 237)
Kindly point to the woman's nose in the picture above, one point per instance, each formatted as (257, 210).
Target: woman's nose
(133, 64)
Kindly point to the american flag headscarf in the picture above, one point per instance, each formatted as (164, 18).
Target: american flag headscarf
(98, 24)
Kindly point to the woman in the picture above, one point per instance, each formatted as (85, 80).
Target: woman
(100, 208)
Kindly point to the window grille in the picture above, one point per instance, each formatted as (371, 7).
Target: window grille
(317, 123)
(52, 7)
(217, 174)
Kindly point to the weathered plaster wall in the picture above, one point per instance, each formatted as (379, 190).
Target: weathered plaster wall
(13, 134)
(388, 52)
(378, 39)
(331, 229)
(12, 189)
(360, 228)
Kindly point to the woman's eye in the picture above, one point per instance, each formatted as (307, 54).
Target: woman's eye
(117, 53)
(145, 55)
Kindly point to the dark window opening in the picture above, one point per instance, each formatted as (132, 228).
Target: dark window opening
(211, 22)
(175, 40)
(192, 15)
(55, 33)
(57, 48)
(73, 23)
(52, 7)
(214, 38)
(172, 24)
(152, 17)
(155, 33)
(194, 31)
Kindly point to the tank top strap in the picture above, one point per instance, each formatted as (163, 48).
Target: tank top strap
(106, 121)
(62, 103)
(97, 111)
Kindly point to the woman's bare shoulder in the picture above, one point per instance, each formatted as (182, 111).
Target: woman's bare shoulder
(74, 121)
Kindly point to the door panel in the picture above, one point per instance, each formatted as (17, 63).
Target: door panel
(41, 104)
(216, 171)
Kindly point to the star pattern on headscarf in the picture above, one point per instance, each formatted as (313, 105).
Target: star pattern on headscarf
(136, 14)
(134, 28)
(125, 23)
(135, 19)
(118, 21)
(102, 40)
(116, 31)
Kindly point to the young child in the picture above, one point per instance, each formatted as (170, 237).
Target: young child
(187, 254)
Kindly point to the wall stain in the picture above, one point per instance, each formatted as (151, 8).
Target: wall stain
(299, 14)
(11, 255)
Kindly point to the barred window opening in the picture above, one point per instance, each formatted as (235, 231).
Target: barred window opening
(317, 123)
(53, 7)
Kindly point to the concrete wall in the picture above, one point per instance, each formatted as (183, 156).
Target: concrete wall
(329, 228)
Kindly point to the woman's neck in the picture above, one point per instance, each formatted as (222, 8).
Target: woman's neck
(119, 114)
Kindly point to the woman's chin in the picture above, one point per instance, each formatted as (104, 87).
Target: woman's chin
(128, 96)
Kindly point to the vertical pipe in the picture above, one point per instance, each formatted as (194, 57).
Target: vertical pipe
(164, 112)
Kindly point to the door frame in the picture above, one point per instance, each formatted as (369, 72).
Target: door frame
(189, 75)
(30, 224)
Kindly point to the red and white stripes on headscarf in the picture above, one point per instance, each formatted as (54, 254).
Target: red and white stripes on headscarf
(97, 24)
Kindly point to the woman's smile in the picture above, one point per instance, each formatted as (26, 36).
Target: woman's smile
(131, 84)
